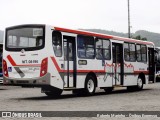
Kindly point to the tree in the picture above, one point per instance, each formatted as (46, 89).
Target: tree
(138, 37)
(145, 39)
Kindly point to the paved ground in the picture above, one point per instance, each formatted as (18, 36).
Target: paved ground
(31, 99)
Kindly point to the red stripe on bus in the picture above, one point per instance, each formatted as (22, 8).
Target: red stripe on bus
(85, 71)
(145, 72)
(13, 63)
(56, 65)
(132, 40)
(83, 33)
(71, 71)
(11, 60)
(96, 71)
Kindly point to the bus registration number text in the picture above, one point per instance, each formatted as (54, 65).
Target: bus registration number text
(29, 61)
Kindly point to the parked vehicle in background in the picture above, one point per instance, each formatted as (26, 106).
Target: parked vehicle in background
(158, 66)
(58, 59)
(1, 74)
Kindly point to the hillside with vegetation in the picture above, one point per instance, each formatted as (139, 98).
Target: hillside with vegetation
(150, 36)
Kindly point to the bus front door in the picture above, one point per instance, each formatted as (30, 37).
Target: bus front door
(151, 68)
(118, 64)
(69, 61)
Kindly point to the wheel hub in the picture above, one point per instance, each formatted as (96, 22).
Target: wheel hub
(90, 86)
(140, 83)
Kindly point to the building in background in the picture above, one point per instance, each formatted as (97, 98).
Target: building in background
(1, 36)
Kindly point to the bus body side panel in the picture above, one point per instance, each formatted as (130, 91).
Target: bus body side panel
(56, 77)
(130, 78)
(84, 69)
(54, 63)
(81, 80)
(105, 79)
(103, 73)
(132, 70)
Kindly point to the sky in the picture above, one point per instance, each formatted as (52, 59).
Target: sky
(84, 14)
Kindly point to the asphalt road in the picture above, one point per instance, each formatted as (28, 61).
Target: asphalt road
(31, 99)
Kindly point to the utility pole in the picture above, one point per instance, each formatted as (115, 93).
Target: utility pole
(129, 32)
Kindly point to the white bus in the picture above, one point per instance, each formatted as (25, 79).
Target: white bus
(1, 52)
(58, 59)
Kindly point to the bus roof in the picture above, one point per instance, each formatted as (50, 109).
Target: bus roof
(81, 32)
(103, 35)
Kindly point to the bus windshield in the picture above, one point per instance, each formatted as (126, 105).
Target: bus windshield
(27, 38)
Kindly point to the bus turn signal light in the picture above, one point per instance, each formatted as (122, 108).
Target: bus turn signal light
(44, 67)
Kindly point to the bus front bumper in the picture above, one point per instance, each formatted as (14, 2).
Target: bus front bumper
(28, 82)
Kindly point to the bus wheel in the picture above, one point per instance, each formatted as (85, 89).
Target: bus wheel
(54, 92)
(108, 89)
(131, 88)
(139, 84)
(90, 85)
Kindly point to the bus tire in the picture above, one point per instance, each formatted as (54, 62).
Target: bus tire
(90, 85)
(79, 92)
(54, 92)
(131, 88)
(108, 89)
(139, 83)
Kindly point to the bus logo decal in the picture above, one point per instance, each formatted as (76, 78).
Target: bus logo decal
(22, 51)
(9, 69)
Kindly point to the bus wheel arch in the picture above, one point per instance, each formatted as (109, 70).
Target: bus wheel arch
(142, 76)
(94, 76)
(90, 83)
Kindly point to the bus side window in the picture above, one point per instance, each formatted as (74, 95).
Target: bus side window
(132, 50)
(126, 52)
(138, 49)
(144, 53)
(86, 47)
(141, 53)
(106, 49)
(57, 43)
(99, 50)
(102, 49)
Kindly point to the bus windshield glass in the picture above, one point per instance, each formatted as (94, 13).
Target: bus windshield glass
(27, 38)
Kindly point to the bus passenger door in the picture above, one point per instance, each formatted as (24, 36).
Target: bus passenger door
(118, 64)
(151, 68)
(69, 61)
